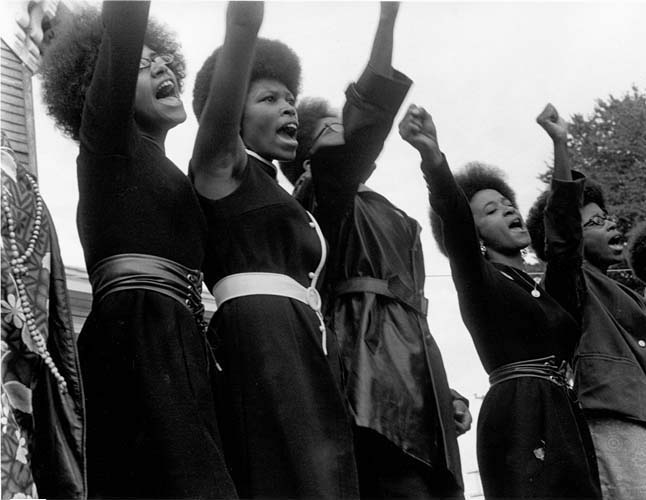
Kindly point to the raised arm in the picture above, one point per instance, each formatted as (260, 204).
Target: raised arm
(460, 237)
(370, 108)
(108, 111)
(381, 55)
(563, 232)
(219, 154)
(556, 128)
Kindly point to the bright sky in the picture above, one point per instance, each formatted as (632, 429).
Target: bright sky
(484, 70)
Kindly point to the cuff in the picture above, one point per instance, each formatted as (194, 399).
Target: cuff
(385, 92)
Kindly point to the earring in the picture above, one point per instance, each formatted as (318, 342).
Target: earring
(483, 248)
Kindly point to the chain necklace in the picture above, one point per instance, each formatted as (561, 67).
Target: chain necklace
(531, 282)
(18, 266)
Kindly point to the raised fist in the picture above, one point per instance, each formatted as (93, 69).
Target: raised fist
(417, 128)
(247, 14)
(554, 125)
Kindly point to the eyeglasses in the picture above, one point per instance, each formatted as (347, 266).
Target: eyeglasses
(145, 62)
(337, 128)
(599, 220)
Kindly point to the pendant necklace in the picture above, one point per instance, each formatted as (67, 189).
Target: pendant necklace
(535, 292)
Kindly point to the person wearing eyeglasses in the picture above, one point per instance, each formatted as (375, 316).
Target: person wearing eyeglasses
(112, 82)
(610, 360)
(406, 418)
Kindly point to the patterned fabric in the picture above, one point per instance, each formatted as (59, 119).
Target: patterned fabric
(20, 363)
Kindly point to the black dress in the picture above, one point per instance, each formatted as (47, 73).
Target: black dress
(285, 427)
(532, 440)
(152, 429)
(395, 380)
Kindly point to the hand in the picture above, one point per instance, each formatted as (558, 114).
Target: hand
(245, 14)
(554, 125)
(461, 416)
(388, 10)
(417, 128)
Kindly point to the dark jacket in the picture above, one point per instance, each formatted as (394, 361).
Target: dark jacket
(610, 362)
(395, 380)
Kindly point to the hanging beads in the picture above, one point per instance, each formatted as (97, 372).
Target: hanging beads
(18, 266)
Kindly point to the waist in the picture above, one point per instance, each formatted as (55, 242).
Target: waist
(134, 271)
(392, 288)
(245, 284)
(541, 368)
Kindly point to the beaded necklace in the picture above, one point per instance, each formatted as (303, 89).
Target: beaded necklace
(18, 266)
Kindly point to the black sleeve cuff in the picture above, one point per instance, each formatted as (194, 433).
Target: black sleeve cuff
(384, 92)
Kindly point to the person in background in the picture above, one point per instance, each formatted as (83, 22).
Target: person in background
(395, 382)
(532, 439)
(112, 81)
(610, 360)
(636, 251)
(43, 418)
(285, 424)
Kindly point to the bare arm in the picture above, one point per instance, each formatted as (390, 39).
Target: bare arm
(381, 55)
(219, 154)
(556, 128)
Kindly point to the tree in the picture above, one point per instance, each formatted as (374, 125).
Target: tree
(610, 147)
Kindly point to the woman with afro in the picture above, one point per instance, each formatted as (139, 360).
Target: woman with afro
(285, 426)
(532, 441)
(610, 360)
(112, 82)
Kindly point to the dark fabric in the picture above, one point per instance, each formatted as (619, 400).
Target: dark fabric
(395, 380)
(146, 272)
(610, 363)
(385, 471)
(132, 198)
(152, 431)
(284, 423)
(532, 441)
(42, 429)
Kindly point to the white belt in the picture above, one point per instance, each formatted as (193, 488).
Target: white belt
(245, 284)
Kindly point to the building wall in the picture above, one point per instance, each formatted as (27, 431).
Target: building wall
(16, 108)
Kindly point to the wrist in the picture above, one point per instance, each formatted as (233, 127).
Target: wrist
(431, 156)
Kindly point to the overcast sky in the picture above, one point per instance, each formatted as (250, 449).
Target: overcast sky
(484, 71)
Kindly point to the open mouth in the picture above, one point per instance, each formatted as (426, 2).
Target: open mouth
(516, 224)
(289, 130)
(617, 243)
(166, 89)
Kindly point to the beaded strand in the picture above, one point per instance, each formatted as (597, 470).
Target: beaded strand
(18, 266)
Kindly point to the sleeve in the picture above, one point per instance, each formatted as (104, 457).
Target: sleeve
(108, 111)
(368, 114)
(459, 234)
(564, 279)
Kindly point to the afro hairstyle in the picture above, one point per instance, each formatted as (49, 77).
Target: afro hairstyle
(69, 61)
(273, 60)
(592, 193)
(473, 177)
(309, 110)
(637, 251)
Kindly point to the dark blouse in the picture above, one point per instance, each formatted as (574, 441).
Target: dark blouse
(506, 323)
(132, 198)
